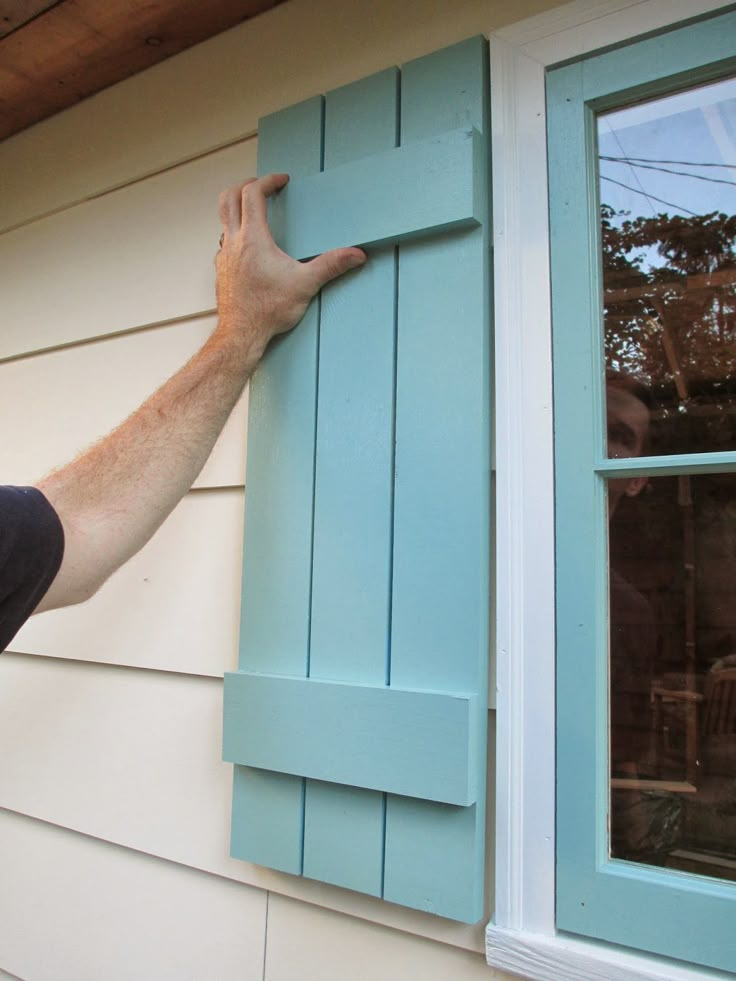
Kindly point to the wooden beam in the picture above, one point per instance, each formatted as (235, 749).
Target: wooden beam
(16, 13)
(78, 47)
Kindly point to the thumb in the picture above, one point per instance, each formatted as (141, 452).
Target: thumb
(332, 264)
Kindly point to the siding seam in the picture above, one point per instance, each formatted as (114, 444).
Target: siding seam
(128, 848)
(265, 935)
(109, 664)
(111, 189)
(102, 338)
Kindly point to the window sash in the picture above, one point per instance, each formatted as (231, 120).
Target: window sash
(636, 906)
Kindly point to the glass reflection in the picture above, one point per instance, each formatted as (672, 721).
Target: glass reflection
(668, 220)
(672, 602)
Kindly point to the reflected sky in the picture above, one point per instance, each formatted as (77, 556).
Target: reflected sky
(675, 155)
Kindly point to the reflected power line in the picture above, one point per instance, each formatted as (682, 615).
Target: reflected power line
(650, 197)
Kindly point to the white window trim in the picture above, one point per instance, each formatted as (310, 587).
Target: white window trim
(521, 937)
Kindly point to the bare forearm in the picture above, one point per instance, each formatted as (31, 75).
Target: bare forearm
(114, 497)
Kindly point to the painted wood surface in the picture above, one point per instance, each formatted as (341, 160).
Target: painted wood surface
(351, 566)
(564, 958)
(72, 397)
(158, 611)
(377, 738)
(323, 212)
(434, 547)
(138, 256)
(441, 588)
(100, 911)
(120, 737)
(267, 824)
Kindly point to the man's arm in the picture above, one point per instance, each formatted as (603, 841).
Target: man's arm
(113, 498)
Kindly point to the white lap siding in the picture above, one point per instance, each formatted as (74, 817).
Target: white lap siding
(114, 804)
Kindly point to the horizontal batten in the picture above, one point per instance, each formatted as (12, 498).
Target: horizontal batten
(664, 466)
(412, 743)
(427, 186)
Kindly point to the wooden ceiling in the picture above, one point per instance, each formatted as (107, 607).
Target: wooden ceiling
(54, 53)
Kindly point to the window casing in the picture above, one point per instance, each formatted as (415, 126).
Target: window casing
(522, 936)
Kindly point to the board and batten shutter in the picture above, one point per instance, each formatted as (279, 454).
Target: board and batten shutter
(357, 718)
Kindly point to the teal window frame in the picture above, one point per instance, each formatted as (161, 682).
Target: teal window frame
(665, 912)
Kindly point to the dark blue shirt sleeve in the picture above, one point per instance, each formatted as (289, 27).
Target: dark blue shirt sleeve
(31, 550)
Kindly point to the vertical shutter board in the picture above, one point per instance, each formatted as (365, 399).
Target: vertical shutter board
(354, 459)
(268, 809)
(445, 90)
(447, 882)
(267, 824)
(440, 606)
(281, 433)
(344, 827)
(343, 836)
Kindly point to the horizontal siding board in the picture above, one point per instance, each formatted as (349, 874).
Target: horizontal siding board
(160, 611)
(406, 742)
(71, 397)
(105, 912)
(138, 256)
(315, 945)
(133, 757)
(323, 212)
(214, 93)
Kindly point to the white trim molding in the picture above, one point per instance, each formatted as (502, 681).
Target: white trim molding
(522, 938)
(564, 958)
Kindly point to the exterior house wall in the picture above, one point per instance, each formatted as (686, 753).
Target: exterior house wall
(114, 804)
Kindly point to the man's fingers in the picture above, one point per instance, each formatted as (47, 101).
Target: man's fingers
(230, 206)
(332, 264)
(254, 196)
(272, 183)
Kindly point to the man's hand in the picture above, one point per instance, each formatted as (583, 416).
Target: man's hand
(113, 498)
(261, 291)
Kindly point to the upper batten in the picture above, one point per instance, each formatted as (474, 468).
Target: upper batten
(381, 534)
(323, 212)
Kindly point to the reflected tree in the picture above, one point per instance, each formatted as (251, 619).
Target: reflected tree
(669, 297)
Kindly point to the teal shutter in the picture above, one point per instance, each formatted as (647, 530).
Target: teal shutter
(357, 718)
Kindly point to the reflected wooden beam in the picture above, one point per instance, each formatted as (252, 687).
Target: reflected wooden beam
(663, 786)
(703, 281)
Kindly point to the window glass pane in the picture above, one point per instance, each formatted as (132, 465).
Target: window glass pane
(668, 214)
(672, 594)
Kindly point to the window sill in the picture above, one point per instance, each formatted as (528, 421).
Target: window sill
(566, 958)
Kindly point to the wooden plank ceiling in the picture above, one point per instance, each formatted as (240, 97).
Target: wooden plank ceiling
(53, 53)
